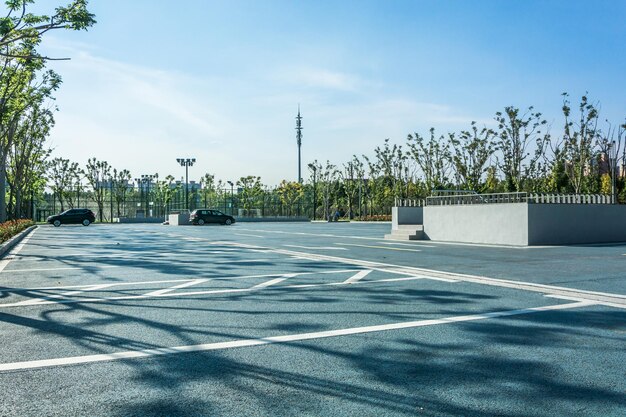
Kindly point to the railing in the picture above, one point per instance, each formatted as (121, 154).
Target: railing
(532, 198)
(452, 200)
(570, 199)
(408, 202)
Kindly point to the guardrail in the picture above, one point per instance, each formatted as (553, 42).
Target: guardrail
(409, 202)
(533, 198)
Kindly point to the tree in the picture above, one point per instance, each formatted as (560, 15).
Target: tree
(515, 134)
(60, 173)
(27, 29)
(208, 187)
(290, 193)
(119, 187)
(98, 173)
(471, 151)
(251, 189)
(20, 34)
(432, 157)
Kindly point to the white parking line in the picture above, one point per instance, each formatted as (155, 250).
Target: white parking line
(356, 277)
(145, 353)
(420, 245)
(245, 234)
(175, 287)
(58, 269)
(12, 254)
(315, 247)
(379, 247)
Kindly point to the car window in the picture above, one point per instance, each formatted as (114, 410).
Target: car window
(218, 213)
(205, 212)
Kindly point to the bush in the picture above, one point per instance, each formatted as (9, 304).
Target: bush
(13, 227)
(375, 218)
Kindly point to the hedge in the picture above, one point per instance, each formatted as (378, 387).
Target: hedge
(13, 227)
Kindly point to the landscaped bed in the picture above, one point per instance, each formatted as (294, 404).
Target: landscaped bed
(13, 227)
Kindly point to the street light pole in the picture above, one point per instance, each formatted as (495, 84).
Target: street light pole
(313, 168)
(232, 187)
(186, 162)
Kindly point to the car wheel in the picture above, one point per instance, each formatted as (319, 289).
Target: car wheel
(200, 222)
(86, 222)
(56, 223)
(228, 222)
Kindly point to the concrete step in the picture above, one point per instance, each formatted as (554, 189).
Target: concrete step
(409, 227)
(405, 235)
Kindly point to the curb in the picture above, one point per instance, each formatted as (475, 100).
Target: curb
(8, 245)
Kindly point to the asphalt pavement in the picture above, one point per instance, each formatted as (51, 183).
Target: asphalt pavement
(307, 319)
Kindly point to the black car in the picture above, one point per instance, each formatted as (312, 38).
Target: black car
(202, 216)
(73, 216)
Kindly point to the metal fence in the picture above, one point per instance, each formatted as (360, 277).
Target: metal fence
(522, 197)
(142, 206)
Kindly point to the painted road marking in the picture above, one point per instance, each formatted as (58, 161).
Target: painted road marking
(212, 292)
(311, 234)
(408, 244)
(12, 254)
(379, 247)
(246, 234)
(315, 247)
(356, 277)
(175, 287)
(145, 353)
(64, 295)
(58, 269)
(594, 296)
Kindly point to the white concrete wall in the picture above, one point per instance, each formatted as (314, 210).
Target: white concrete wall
(406, 215)
(498, 224)
(563, 224)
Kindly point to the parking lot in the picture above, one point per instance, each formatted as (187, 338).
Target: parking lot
(261, 319)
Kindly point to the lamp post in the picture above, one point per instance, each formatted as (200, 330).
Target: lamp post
(111, 196)
(147, 179)
(186, 162)
(232, 188)
(140, 189)
(313, 168)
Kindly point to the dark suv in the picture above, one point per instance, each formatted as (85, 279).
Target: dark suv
(202, 216)
(73, 216)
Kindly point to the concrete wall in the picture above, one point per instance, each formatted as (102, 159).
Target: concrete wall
(498, 224)
(563, 224)
(406, 215)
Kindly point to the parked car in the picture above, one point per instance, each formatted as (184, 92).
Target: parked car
(73, 216)
(202, 216)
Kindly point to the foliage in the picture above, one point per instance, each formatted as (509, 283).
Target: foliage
(12, 228)
(290, 194)
(251, 188)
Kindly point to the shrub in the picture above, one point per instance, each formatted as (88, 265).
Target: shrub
(13, 227)
(375, 218)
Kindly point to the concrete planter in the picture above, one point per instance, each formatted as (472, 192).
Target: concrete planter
(9, 244)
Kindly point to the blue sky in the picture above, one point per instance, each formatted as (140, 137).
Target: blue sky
(221, 81)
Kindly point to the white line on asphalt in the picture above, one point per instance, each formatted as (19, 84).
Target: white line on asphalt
(564, 297)
(239, 261)
(379, 247)
(58, 269)
(311, 234)
(175, 287)
(245, 234)
(410, 272)
(356, 277)
(210, 292)
(315, 247)
(64, 295)
(595, 296)
(12, 254)
(145, 353)
(269, 283)
(420, 245)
